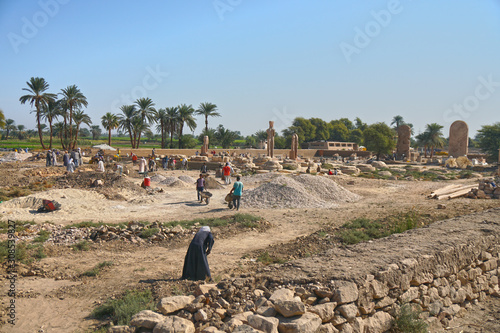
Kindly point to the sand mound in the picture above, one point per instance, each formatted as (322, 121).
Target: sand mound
(158, 178)
(180, 184)
(25, 202)
(13, 156)
(212, 183)
(168, 180)
(303, 191)
(187, 179)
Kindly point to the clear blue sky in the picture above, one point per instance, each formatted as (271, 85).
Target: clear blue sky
(261, 60)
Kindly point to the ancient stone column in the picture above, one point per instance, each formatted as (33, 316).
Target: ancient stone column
(295, 147)
(459, 139)
(403, 145)
(270, 139)
(204, 147)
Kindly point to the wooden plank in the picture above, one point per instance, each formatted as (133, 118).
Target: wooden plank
(456, 194)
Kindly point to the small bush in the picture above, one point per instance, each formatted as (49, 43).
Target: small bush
(21, 253)
(120, 311)
(97, 269)
(407, 320)
(43, 236)
(81, 246)
(146, 233)
(290, 167)
(267, 259)
(327, 166)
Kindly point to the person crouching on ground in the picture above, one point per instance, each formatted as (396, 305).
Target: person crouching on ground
(200, 186)
(236, 192)
(196, 263)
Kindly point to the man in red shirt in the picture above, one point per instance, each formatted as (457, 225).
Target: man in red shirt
(227, 173)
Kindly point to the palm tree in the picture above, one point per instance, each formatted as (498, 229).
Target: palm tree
(434, 136)
(96, 132)
(20, 132)
(185, 116)
(59, 131)
(109, 121)
(423, 141)
(138, 127)
(225, 137)
(145, 108)
(207, 110)
(2, 119)
(125, 120)
(172, 122)
(74, 99)
(398, 121)
(161, 116)
(50, 112)
(80, 117)
(9, 126)
(38, 97)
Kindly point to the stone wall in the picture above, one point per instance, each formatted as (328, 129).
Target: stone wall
(441, 270)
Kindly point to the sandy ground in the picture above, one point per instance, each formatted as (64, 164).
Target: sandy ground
(60, 301)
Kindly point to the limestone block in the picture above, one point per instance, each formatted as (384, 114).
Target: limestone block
(379, 164)
(243, 316)
(346, 328)
(174, 303)
(386, 301)
(489, 265)
(174, 324)
(146, 319)
(380, 322)
(308, 322)
(325, 311)
(203, 289)
(265, 324)
(246, 329)
(266, 311)
(290, 308)
(328, 328)
(338, 320)
(378, 289)
(435, 308)
(349, 311)
(460, 296)
(281, 294)
(201, 315)
(409, 295)
(345, 292)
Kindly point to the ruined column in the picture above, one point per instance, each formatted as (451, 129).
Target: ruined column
(270, 139)
(204, 147)
(459, 139)
(403, 145)
(295, 147)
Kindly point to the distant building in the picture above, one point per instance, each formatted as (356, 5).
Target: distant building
(332, 145)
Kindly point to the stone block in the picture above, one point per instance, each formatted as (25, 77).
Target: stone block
(264, 324)
(146, 319)
(308, 322)
(349, 311)
(171, 304)
(174, 324)
(290, 308)
(325, 311)
(345, 292)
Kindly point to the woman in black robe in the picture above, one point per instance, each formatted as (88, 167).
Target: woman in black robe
(195, 263)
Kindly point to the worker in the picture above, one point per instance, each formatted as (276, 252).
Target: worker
(196, 263)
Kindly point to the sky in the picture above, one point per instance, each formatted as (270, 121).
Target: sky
(428, 61)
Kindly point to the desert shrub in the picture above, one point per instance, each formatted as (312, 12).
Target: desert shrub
(327, 166)
(81, 246)
(43, 236)
(266, 259)
(146, 233)
(97, 269)
(408, 320)
(290, 167)
(121, 310)
(20, 254)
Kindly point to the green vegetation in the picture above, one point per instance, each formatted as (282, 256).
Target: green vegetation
(378, 138)
(97, 269)
(290, 167)
(146, 233)
(121, 310)
(488, 138)
(37, 251)
(81, 246)
(408, 320)
(20, 226)
(43, 236)
(266, 259)
(362, 229)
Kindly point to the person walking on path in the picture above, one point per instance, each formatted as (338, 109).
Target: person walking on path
(66, 158)
(200, 186)
(196, 263)
(227, 174)
(236, 191)
(48, 161)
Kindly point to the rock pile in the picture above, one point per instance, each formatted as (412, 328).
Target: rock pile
(367, 304)
(488, 189)
(304, 191)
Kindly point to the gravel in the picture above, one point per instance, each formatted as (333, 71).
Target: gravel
(304, 191)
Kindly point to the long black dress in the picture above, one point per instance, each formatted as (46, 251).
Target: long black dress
(195, 263)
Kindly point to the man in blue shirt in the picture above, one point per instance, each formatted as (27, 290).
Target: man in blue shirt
(236, 192)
